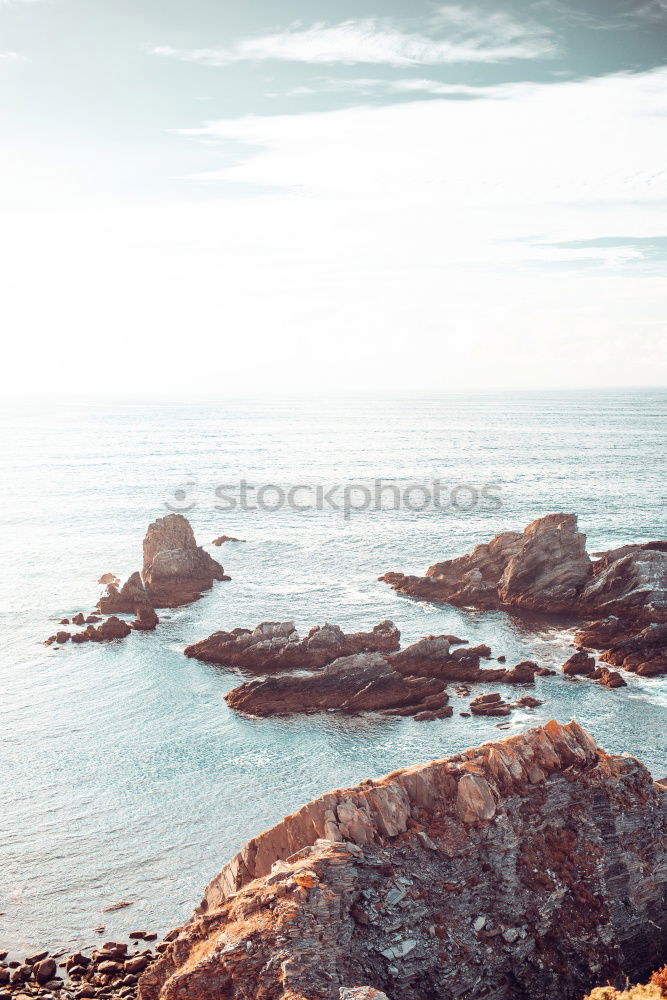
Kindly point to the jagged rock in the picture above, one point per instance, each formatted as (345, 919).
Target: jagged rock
(546, 568)
(361, 993)
(112, 628)
(357, 683)
(175, 570)
(609, 678)
(146, 619)
(125, 600)
(79, 619)
(522, 673)
(489, 704)
(107, 578)
(276, 646)
(527, 701)
(561, 844)
(635, 647)
(579, 664)
(630, 582)
(226, 538)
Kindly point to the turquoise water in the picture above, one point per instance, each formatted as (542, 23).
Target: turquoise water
(124, 775)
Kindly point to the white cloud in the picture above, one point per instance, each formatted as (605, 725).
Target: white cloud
(416, 246)
(471, 36)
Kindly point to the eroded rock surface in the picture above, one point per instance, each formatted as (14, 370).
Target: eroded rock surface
(546, 568)
(634, 647)
(364, 682)
(175, 571)
(276, 646)
(533, 867)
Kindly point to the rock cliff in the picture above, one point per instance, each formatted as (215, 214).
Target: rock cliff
(531, 867)
(175, 571)
(546, 568)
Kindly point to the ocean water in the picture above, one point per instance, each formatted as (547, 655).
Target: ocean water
(124, 776)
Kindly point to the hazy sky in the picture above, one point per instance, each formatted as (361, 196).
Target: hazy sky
(230, 196)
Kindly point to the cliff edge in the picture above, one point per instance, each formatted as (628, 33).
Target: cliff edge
(530, 867)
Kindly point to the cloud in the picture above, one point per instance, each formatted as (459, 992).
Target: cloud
(455, 35)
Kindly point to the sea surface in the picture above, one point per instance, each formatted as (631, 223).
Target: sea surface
(123, 774)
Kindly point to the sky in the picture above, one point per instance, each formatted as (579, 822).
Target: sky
(231, 197)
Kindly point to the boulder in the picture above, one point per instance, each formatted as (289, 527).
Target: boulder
(274, 647)
(579, 664)
(112, 628)
(146, 619)
(226, 538)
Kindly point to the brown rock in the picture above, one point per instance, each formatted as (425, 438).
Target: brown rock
(62, 637)
(146, 619)
(78, 619)
(44, 970)
(274, 647)
(489, 704)
(546, 569)
(579, 664)
(492, 863)
(64, 621)
(112, 628)
(522, 673)
(226, 538)
(136, 964)
(364, 682)
(610, 678)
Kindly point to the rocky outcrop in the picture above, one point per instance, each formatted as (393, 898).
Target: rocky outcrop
(531, 867)
(226, 538)
(175, 571)
(364, 682)
(546, 569)
(273, 647)
(639, 649)
(410, 681)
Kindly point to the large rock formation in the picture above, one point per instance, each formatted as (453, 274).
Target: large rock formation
(362, 682)
(276, 646)
(405, 682)
(175, 571)
(532, 867)
(546, 568)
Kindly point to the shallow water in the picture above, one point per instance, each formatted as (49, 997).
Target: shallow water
(125, 776)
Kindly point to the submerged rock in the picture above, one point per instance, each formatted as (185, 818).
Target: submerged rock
(546, 568)
(276, 646)
(534, 866)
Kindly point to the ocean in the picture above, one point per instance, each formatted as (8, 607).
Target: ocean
(125, 777)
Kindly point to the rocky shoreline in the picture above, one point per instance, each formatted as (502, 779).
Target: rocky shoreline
(110, 972)
(534, 866)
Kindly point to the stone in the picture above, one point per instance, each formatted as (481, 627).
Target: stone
(296, 915)
(137, 964)
(274, 647)
(112, 628)
(175, 571)
(78, 619)
(363, 682)
(475, 799)
(44, 970)
(546, 569)
(579, 664)
(361, 993)
(226, 538)
(146, 619)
